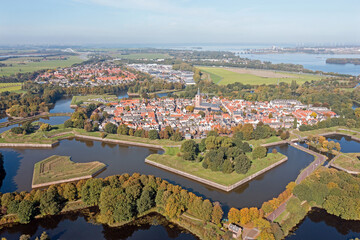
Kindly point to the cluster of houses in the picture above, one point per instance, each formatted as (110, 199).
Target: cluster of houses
(276, 113)
(195, 117)
(165, 72)
(98, 74)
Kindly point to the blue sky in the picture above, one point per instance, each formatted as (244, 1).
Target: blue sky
(179, 21)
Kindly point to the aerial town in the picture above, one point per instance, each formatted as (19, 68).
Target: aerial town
(194, 118)
(186, 120)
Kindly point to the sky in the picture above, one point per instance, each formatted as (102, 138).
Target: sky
(179, 21)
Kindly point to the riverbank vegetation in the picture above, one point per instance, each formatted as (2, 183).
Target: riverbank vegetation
(120, 199)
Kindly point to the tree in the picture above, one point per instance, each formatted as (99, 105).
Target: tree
(45, 127)
(110, 127)
(91, 190)
(207, 209)
(44, 236)
(68, 123)
(227, 167)
(26, 211)
(50, 202)
(153, 135)
(88, 127)
(259, 152)
(146, 200)
(189, 149)
(234, 215)
(70, 192)
(242, 164)
(123, 129)
(217, 214)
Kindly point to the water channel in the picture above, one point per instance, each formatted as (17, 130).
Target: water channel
(18, 164)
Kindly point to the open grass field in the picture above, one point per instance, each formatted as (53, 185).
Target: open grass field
(92, 99)
(349, 161)
(10, 87)
(59, 168)
(24, 64)
(135, 56)
(224, 76)
(170, 159)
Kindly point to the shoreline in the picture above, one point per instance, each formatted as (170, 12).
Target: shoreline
(214, 184)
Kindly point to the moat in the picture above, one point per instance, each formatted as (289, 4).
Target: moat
(18, 164)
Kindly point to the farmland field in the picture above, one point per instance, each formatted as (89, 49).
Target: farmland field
(224, 76)
(26, 64)
(10, 87)
(61, 168)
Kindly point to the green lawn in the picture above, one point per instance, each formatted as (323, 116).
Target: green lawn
(170, 159)
(223, 76)
(44, 137)
(57, 168)
(90, 98)
(23, 64)
(349, 161)
(256, 143)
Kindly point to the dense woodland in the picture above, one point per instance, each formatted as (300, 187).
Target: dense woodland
(120, 199)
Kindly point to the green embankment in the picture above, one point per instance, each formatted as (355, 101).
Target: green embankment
(171, 159)
(61, 168)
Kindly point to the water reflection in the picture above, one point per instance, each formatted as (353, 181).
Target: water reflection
(318, 224)
(82, 225)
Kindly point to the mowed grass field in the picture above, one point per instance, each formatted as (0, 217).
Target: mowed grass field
(58, 168)
(171, 159)
(90, 98)
(135, 56)
(224, 76)
(10, 87)
(24, 64)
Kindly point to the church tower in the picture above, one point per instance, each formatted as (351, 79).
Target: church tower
(198, 99)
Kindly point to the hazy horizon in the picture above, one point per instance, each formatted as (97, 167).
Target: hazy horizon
(121, 22)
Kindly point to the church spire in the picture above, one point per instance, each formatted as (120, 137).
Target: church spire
(198, 93)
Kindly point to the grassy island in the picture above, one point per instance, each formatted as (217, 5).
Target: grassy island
(93, 99)
(348, 161)
(170, 159)
(60, 169)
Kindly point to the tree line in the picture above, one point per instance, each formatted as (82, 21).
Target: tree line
(120, 198)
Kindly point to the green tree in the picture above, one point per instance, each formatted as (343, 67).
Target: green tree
(227, 167)
(146, 200)
(26, 211)
(70, 192)
(45, 127)
(91, 191)
(259, 152)
(110, 128)
(50, 202)
(189, 149)
(242, 164)
(123, 129)
(68, 123)
(153, 134)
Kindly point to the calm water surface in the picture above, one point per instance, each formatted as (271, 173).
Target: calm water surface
(318, 224)
(82, 226)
